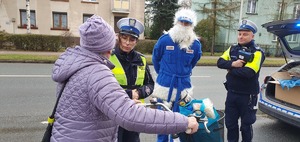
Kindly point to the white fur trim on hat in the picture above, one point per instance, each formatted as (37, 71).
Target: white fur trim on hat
(187, 13)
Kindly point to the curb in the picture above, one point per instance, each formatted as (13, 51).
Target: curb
(27, 61)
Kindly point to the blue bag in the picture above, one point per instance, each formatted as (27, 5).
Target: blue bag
(216, 130)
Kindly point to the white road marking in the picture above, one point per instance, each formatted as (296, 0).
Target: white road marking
(44, 122)
(201, 76)
(25, 75)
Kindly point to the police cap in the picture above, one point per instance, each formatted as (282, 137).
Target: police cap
(247, 25)
(130, 26)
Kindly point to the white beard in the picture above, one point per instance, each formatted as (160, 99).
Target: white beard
(182, 35)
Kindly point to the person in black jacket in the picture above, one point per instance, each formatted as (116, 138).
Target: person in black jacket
(243, 62)
(131, 69)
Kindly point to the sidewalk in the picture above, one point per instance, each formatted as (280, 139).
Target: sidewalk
(58, 53)
(29, 52)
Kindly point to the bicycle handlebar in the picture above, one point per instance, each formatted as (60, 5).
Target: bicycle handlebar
(204, 120)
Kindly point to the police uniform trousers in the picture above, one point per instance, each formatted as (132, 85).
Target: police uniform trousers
(128, 136)
(241, 106)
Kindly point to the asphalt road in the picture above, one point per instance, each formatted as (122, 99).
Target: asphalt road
(27, 98)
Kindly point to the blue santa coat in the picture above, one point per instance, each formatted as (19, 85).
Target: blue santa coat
(174, 66)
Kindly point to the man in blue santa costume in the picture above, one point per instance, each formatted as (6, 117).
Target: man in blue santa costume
(174, 56)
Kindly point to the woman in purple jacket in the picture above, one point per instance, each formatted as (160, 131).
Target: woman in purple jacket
(93, 104)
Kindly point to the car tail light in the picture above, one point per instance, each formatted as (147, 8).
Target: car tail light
(267, 78)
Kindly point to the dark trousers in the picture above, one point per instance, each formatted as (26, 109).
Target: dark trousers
(128, 136)
(163, 137)
(240, 106)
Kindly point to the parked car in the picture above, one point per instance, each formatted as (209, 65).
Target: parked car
(278, 99)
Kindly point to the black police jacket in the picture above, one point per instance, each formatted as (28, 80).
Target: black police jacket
(242, 80)
(129, 63)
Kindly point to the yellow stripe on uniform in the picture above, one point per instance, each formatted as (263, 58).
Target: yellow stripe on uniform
(50, 120)
(121, 76)
(118, 70)
(255, 64)
(226, 55)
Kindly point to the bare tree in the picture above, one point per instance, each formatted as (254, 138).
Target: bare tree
(282, 13)
(185, 3)
(162, 13)
(221, 14)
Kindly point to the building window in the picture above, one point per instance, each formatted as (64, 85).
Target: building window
(89, 1)
(292, 38)
(297, 11)
(60, 21)
(86, 16)
(121, 5)
(251, 7)
(274, 38)
(23, 16)
(116, 19)
(61, 0)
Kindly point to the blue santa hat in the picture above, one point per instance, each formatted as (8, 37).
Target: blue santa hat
(185, 15)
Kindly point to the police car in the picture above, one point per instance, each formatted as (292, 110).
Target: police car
(277, 99)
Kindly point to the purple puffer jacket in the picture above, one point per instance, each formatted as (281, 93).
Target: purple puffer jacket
(93, 104)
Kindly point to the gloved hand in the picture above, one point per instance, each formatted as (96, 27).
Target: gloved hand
(168, 104)
(186, 96)
(209, 109)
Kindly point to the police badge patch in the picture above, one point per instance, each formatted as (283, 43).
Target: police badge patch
(244, 23)
(132, 22)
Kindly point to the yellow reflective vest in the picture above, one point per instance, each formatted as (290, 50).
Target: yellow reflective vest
(121, 75)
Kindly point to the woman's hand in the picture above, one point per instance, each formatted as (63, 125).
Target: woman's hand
(192, 125)
(135, 96)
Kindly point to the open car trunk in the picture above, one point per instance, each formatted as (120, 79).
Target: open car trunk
(285, 96)
(280, 96)
(288, 33)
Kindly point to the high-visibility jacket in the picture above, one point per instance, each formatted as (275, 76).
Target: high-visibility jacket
(244, 79)
(120, 73)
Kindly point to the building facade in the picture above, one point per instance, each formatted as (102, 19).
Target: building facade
(258, 11)
(60, 17)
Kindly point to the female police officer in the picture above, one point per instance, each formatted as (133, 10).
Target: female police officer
(131, 69)
(243, 62)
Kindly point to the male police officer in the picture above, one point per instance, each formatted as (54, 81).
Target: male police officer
(243, 62)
